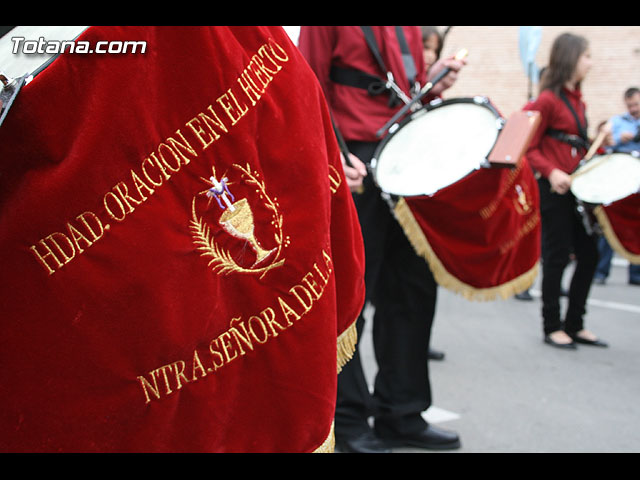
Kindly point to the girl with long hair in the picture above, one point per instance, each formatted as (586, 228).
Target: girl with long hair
(560, 143)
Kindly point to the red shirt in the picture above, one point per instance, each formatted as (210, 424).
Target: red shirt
(357, 114)
(546, 153)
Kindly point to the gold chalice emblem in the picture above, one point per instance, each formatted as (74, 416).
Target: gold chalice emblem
(237, 219)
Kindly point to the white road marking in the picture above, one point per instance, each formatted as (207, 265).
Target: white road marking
(437, 415)
(601, 303)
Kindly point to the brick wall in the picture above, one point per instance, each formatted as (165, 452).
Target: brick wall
(495, 70)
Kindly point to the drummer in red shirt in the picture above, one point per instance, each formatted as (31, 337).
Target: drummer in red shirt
(365, 87)
(555, 152)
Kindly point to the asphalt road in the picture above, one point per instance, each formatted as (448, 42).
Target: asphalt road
(505, 391)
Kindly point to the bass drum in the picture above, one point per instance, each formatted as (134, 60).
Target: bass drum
(607, 178)
(477, 227)
(608, 192)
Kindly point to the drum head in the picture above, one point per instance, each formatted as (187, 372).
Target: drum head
(607, 178)
(436, 146)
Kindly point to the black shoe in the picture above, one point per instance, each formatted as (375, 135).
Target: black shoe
(633, 281)
(431, 438)
(435, 355)
(365, 443)
(566, 346)
(524, 295)
(584, 341)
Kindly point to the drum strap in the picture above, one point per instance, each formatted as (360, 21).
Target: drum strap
(576, 141)
(357, 78)
(374, 84)
(407, 59)
(573, 140)
(582, 129)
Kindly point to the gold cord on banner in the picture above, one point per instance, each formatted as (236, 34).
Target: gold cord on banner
(447, 280)
(612, 238)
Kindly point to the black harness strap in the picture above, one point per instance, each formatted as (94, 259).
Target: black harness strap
(357, 78)
(577, 141)
(574, 140)
(373, 46)
(376, 85)
(407, 58)
(582, 129)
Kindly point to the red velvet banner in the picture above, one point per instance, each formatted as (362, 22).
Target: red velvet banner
(620, 222)
(481, 235)
(181, 259)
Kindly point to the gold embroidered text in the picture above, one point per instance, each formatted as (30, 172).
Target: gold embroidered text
(243, 336)
(57, 249)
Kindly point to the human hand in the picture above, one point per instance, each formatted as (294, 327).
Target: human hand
(355, 172)
(626, 137)
(454, 65)
(560, 181)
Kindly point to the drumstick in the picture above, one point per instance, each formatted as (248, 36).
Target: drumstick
(604, 131)
(426, 89)
(459, 56)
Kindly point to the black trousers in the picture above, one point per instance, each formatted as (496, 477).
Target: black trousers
(564, 233)
(403, 291)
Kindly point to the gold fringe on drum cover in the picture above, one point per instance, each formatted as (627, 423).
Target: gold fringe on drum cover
(447, 280)
(612, 238)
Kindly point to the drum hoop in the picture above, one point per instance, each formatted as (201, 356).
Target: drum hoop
(433, 105)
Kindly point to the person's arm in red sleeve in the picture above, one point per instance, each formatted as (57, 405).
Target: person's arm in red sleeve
(536, 158)
(316, 43)
(559, 179)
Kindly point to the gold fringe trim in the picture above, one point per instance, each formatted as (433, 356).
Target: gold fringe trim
(347, 345)
(420, 243)
(329, 445)
(612, 238)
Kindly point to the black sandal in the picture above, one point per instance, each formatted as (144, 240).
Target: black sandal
(584, 341)
(552, 342)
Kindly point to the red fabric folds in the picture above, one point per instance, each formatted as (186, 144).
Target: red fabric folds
(137, 313)
(481, 235)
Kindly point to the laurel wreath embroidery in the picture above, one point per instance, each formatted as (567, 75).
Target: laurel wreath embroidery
(221, 261)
